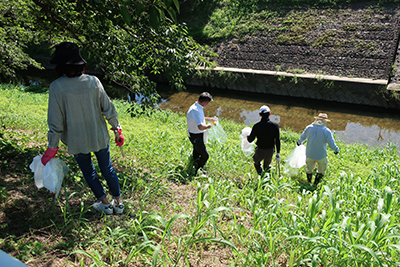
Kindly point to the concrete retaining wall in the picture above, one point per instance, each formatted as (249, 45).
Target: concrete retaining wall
(356, 91)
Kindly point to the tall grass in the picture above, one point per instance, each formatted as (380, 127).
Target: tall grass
(231, 217)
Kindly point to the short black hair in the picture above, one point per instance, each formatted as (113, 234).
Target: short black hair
(205, 97)
(71, 70)
(265, 114)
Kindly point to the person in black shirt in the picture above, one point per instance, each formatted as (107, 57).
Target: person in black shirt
(267, 134)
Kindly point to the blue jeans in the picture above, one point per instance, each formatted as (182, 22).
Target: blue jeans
(86, 165)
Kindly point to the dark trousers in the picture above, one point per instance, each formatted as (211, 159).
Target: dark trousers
(264, 155)
(200, 154)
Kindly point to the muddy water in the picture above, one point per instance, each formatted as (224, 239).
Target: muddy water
(351, 124)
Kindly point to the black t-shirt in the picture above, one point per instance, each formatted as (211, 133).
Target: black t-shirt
(267, 134)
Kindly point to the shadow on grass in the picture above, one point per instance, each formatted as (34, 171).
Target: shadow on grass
(31, 218)
(183, 174)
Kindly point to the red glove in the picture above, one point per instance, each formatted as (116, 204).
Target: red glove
(119, 138)
(49, 154)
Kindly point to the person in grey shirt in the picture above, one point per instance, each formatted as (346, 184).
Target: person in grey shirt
(77, 109)
(318, 137)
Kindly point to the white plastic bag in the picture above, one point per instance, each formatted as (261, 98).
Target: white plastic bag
(49, 176)
(295, 160)
(298, 158)
(38, 169)
(54, 173)
(216, 132)
(247, 147)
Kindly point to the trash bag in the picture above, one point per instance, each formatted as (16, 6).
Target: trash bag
(50, 176)
(295, 160)
(247, 147)
(216, 133)
(38, 169)
(54, 173)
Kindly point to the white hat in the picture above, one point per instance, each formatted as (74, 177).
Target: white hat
(264, 109)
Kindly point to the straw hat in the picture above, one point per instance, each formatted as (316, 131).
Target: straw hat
(322, 116)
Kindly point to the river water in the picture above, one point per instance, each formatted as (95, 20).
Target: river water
(351, 124)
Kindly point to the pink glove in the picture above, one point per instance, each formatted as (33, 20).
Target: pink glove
(48, 155)
(119, 138)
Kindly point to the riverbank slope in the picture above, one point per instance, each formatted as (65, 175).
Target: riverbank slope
(229, 217)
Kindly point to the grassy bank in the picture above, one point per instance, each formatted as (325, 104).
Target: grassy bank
(228, 218)
(216, 20)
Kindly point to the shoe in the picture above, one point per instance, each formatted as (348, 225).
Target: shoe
(309, 177)
(318, 178)
(204, 172)
(118, 208)
(107, 209)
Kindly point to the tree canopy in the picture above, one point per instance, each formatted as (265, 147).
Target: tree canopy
(127, 40)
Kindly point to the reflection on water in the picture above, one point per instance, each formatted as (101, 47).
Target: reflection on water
(351, 125)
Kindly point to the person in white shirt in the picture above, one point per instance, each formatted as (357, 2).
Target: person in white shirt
(196, 123)
(318, 136)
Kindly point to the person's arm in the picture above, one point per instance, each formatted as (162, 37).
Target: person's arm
(303, 137)
(331, 142)
(107, 107)
(278, 145)
(278, 141)
(210, 119)
(55, 121)
(252, 136)
(203, 126)
(110, 113)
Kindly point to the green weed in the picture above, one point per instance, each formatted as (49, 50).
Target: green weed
(173, 217)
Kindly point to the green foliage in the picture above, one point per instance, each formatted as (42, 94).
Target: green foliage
(36, 88)
(174, 218)
(126, 40)
(15, 34)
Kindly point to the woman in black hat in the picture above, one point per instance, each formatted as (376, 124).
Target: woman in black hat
(78, 107)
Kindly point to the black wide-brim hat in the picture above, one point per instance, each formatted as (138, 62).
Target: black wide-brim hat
(67, 53)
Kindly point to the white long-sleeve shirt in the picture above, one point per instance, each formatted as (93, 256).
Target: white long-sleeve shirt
(77, 111)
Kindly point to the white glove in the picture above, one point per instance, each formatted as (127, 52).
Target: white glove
(278, 157)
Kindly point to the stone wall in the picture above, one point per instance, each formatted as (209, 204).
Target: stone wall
(356, 91)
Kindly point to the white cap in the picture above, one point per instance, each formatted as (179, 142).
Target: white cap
(264, 109)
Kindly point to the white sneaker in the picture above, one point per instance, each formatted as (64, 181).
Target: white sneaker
(107, 209)
(119, 208)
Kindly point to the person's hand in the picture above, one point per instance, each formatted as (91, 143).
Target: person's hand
(298, 143)
(278, 157)
(336, 152)
(119, 138)
(48, 155)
